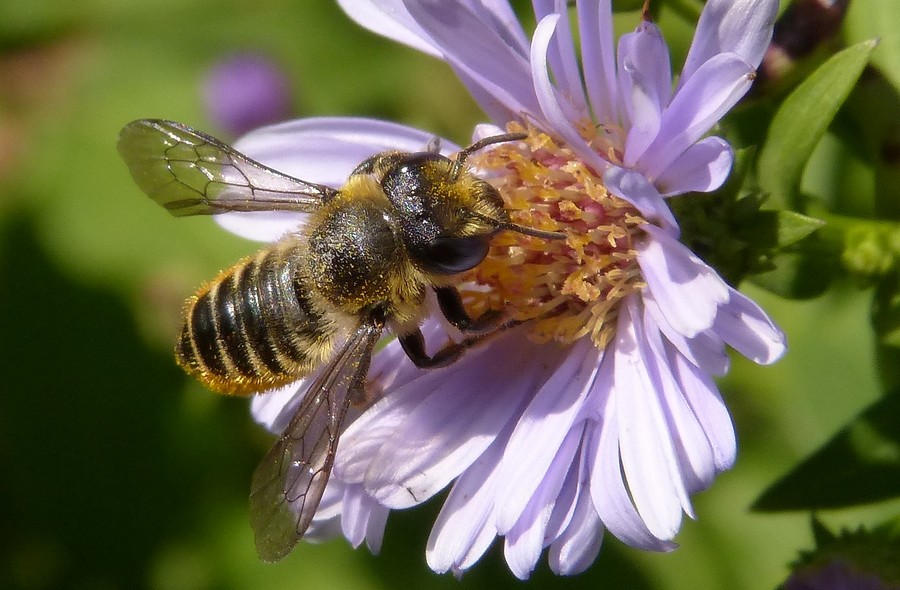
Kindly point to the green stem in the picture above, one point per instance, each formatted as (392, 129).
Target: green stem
(868, 247)
(841, 224)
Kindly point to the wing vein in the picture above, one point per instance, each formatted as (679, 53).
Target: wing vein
(290, 480)
(191, 173)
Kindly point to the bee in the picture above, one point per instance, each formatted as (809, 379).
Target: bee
(364, 262)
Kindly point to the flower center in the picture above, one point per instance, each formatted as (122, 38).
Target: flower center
(566, 289)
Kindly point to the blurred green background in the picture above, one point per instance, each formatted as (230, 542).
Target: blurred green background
(118, 472)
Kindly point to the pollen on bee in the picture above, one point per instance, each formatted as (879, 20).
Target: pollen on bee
(566, 289)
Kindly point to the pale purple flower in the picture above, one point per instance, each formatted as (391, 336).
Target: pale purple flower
(604, 416)
(243, 91)
(835, 574)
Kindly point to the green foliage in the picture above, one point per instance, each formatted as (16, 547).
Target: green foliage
(861, 557)
(730, 230)
(865, 450)
(801, 121)
(887, 313)
(847, 181)
(876, 19)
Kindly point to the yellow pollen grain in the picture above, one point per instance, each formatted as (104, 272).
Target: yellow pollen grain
(566, 289)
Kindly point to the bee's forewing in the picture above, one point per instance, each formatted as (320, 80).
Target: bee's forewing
(191, 173)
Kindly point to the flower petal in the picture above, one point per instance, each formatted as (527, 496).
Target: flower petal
(645, 77)
(389, 18)
(717, 85)
(709, 408)
(697, 466)
(637, 190)
(378, 516)
(646, 447)
(331, 504)
(525, 540)
(743, 27)
(579, 544)
(706, 349)
(365, 436)
(598, 59)
(323, 530)
(572, 488)
(483, 130)
(391, 370)
(461, 413)
(703, 167)
(608, 491)
(273, 409)
(326, 149)
(540, 431)
(356, 509)
(563, 61)
(504, 20)
(464, 528)
(480, 54)
(746, 327)
(559, 117)
(261, 226)
(687, 290)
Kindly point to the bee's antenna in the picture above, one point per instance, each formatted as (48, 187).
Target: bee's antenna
(464, 153)
(530, 231)
(506, 224)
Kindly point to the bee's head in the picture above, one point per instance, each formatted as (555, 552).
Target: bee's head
(446, 214)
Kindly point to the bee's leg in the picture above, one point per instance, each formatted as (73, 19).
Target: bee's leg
(413, 345)
(452, 307)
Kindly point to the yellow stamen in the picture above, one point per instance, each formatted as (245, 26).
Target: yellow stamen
(571, 288)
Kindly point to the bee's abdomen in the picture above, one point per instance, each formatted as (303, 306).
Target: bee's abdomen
(254, 327)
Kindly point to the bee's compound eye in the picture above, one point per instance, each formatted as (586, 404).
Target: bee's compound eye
(454, 255)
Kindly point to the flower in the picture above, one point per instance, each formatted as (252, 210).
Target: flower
(600, 412)
(835, 574)
(861, 559)
(245, 90)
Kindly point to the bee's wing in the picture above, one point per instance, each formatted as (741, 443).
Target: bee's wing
(191, 173)
(290, 480)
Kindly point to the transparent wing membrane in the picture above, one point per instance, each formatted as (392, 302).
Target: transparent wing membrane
(290, 480)
(191, 173)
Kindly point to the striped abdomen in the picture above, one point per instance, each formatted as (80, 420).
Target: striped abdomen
(254, 327)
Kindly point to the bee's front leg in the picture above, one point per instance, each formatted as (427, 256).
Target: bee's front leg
(452, 307)
(413, 344)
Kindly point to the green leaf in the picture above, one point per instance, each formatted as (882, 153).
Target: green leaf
(886, 322)
(802, 119)
(798, 275)
(878, 18)
(803, 265)
(793, 227)
(871, 139)
(886, 313)
(861, 464)
(821, 533)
